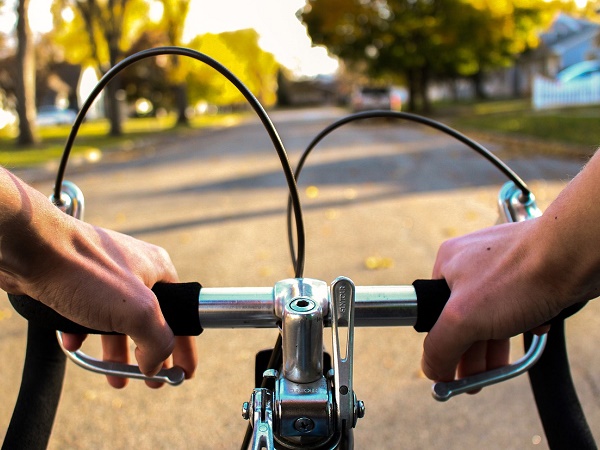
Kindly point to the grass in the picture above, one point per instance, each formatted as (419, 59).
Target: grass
(93, 140)
(571, 131)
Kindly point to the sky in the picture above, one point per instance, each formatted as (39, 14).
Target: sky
(281, 33)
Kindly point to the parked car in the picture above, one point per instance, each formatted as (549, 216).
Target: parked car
(386, 98)
(53, 115)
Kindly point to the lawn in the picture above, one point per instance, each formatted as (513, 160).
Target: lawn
(93, 140)
(567, 131)
(575, 129)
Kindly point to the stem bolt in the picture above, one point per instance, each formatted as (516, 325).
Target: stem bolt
(304, 425)
(246, 410)
(360, 409)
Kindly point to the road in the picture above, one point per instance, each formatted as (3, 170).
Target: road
(378, 198)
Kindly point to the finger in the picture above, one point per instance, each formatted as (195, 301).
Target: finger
(498, 353)
(445, 344)
(73, 342)
(153, 348)
(157, 384)
(484, 356)
(444, 256)
(542, 329)
(185, 355)
(142, 320)
(115, 348)
(473, 360)
(166, 271)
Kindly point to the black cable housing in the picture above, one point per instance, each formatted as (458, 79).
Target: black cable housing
(378, 114)
(299, 259)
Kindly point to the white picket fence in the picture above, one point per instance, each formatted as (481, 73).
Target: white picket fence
(549, 93)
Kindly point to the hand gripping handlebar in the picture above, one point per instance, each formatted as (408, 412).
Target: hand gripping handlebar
(306, 402)
(188, 308)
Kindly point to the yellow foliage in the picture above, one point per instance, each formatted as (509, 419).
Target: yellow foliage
(87, 44)
(239, 52)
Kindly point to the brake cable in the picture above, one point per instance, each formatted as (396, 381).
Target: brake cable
(299, 259)
(497, 162)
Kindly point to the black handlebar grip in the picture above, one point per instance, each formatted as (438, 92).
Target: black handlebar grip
(178, 303)
(432, 296)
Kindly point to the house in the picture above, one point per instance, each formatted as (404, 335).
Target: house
(567, 41)
(567, 61)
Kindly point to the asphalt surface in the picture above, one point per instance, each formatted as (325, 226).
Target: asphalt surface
(379, 198)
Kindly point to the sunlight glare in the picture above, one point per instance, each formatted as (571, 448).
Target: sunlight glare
(281, 33)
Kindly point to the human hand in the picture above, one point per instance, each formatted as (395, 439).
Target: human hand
(96, 277)
(110, 276)
(502, 283)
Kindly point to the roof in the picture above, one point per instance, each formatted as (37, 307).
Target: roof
(567, 32)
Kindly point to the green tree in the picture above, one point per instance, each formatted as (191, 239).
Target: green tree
(99, 33)
(422, 40)
(497, 32)
(25, 77)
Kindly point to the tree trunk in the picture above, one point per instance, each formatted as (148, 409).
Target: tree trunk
(424, 90)
(113, 107)
(477, 80)
(25, 83)
(412, 90)
(181, 102)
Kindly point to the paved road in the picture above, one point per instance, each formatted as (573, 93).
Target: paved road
(379, 198)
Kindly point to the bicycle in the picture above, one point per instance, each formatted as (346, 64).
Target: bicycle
(301, 308)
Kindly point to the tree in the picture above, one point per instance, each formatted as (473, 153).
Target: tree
(422, 40)
(173, 20)
(240, 53)
(25, 77)
(99, 32)
(149, 79)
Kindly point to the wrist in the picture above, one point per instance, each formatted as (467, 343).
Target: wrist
(567, 255)
(30, 226)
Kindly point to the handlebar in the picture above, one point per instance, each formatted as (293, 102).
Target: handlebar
(189, 308)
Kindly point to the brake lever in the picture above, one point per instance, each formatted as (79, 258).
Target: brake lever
(260, 411)
(442, 391)
(513, 206)
(173, 376)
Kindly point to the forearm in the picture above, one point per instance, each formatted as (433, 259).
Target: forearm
(569, 232)
(29, 228)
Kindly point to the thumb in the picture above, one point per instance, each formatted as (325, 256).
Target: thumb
(153, 338)
(153, 348)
